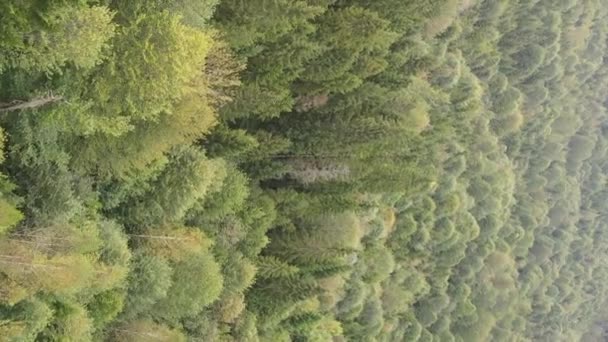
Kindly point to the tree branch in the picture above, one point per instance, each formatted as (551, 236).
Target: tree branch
(33, 103)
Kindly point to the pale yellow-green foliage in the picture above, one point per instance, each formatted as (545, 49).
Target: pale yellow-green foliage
(11, 292)
(61, 238)
(108, 277)
(333, 291)
(230, 307)
(344, 230)
(10, 216)
(309, 305)
(81, 35)
(418, 117)
(248, 273)
(325, 330)
(379, 263)
(197, 283)
(149, 141)
(239, 274)
(35, 271)
(415, 102)
(173, 243)
(145, 331)
(157, 60)
(77, 35)
(389, 220)
(12, 330)
(77, 326)
(222, 72)
(164, 100)
(499, 271)
(61, 258)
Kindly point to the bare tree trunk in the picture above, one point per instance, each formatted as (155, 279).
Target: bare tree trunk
(33, 103)
(27, 263)
(159, 237)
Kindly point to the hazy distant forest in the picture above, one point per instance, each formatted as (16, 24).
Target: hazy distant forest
(303, 170)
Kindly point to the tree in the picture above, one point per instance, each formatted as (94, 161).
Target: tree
(172, 243)
(71, 320)
(114, 249)
(245, 328)
(36, 102)
(170, 58)
(59, 239)
(367, 170)
(196, 283)
(75, 34)
(148, 282)
(105, 307)
(34, 270)
(270, 267)
(302, 249)
(229, 307)
(26, 319)
(186, 179)
(10, 214)
(239, 273)
(346, 60)
(274, 300)
(226, 201)
(146, 330)
(379, 263)
(193, 13)
(147, 142)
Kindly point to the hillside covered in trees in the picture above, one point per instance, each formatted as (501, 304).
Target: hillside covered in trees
(303, 170)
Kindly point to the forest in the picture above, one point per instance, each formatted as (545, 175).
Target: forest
(303, 170)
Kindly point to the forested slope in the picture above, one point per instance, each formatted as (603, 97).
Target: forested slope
(303, 170)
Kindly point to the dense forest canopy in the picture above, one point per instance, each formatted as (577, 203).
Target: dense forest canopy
(303, 170)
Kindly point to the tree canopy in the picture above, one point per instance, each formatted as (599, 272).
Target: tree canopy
(303, 170)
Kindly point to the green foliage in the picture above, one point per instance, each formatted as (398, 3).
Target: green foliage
(170, 57)
(147, 143)
(71, 320)
(379, 264)
(106, 306)
(25, 320)
(327, 268)
(226, 201)
(239, 273)
(10, 214)
(114, 249)
(170, 197)
(68, 33)
(291, 170)
(270, 267)
(143, 330)
(196, 283)
(354, 41)
(193, 13)
(148, 282)
(230, 307)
